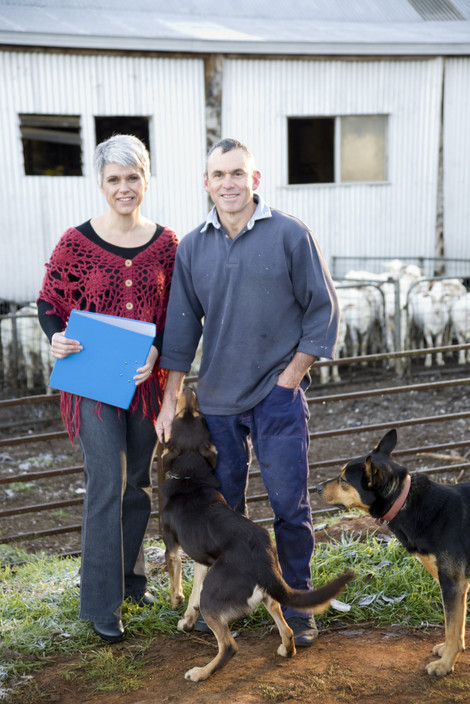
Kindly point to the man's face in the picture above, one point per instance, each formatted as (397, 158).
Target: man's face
(230, 181)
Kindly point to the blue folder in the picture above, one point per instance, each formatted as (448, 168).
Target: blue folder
(113, 349)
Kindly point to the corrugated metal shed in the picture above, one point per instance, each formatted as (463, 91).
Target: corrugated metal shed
(350, 219)
(248, 26)
(456, 137)
(37, 209)
(270, 59)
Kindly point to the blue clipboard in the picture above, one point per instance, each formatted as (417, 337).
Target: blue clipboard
(113, 348)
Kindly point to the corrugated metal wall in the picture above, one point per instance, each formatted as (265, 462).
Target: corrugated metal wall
(37, 209)
(390, 219)
(396, 218)
(457, 158)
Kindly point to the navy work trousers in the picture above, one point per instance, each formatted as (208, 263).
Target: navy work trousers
(278, 427)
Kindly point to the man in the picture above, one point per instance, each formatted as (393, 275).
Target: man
(257, 279)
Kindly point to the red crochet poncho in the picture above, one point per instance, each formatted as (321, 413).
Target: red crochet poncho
(81, 274)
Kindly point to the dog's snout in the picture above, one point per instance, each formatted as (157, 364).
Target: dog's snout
(319, 488)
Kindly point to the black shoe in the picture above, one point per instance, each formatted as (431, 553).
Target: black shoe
(305, 630)
(146, 600)
(201, 625)
(111, 631)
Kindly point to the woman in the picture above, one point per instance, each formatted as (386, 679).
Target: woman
(118, 263)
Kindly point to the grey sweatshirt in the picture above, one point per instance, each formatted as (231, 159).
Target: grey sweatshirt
(258, 299)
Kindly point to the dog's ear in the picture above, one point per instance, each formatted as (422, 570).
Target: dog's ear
(388, 443)
(209, 453)
(373, 476)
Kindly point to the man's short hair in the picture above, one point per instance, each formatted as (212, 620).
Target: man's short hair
(226, 145)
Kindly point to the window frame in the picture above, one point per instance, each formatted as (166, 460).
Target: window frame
(34, 128)
(337, 150)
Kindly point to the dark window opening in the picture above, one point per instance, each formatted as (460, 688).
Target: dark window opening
(311, 149)
(51, 145)
(106, 126)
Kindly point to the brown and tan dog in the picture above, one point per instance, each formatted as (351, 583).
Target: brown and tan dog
(431, 520)
(236, 560)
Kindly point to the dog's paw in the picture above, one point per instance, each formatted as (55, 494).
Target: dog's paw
(185, 625)
(196, 674)
(439, 649)
(439, 668)
(176, 600)
(286, 652)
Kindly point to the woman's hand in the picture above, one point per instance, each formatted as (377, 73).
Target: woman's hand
(145, 372)
(62, 346)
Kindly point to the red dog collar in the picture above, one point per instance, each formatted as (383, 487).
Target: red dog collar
(397, 505)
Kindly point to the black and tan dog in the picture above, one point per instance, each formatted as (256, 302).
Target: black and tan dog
(236, 561)
(431, 520)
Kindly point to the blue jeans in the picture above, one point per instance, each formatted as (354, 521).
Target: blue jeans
(118, 449)
(278, 427)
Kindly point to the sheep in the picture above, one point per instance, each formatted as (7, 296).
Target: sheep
(396, 281)
(32, 346)
(429, 315)
(460, 319)
(423, 307)
(332, 371)
(360, 311)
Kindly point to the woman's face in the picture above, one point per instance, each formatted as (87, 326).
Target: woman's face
(124, 188)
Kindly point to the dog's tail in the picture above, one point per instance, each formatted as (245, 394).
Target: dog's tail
(317, 600)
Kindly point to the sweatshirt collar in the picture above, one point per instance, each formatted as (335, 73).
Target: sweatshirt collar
(262, 211)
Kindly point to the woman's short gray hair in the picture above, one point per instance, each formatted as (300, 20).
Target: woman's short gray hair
(123, 149)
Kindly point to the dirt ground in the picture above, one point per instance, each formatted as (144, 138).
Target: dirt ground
(357, 664)
(353, 665)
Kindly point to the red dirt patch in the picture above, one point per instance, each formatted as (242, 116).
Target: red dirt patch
(356, 664)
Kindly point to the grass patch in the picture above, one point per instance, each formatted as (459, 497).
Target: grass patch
(310, 686)
(39, 602)
(20, 487)
(391, 586)
(60, 513)
(106, 670)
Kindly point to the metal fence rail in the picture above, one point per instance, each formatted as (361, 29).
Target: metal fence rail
(430, 266)
(258, 496)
